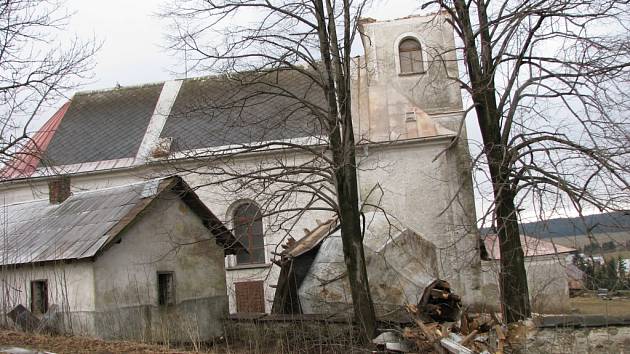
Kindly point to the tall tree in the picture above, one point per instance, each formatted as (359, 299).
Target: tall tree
(547, 81)
(293, 57)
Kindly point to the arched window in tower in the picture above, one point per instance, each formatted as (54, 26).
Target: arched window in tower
(410, 53)
(248, 230)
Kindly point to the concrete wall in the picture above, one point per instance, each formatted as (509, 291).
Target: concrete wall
(70, 291)
(167, 237)
(546, 278)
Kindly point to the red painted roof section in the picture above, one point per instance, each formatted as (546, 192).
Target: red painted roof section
(25, 162)
(532, 247)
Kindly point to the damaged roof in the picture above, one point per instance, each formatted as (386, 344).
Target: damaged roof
(85, 223)
(532, 247)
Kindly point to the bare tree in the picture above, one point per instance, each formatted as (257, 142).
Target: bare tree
(295, 58)
(35, 69)
(547, 81)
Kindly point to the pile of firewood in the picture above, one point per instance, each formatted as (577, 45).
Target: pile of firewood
(441, 327)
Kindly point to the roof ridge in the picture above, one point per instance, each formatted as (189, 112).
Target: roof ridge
(90, 191)
(110, 89)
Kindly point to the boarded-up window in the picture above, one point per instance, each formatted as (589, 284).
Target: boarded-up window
(250, 296)
(410, 53)
(39, 297)
(166, 288)
(248, 230)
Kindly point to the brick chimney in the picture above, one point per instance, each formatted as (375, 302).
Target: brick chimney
(59, 189)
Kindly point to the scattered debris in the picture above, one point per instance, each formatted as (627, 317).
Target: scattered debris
(392, 342)
(440, 326)
(439, 303)
(28, 322)
(21, 316)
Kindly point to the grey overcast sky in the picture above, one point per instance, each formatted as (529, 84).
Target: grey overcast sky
(133, 37)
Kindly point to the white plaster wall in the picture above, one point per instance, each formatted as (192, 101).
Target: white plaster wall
(547, 281)
(381, 95)
(70, 288)
(406, 181)
(168, 236)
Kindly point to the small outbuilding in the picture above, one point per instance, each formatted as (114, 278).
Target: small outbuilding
(143, 261)
(545, 264)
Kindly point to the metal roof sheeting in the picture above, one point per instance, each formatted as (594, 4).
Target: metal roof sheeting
(532, 247)
(82, 225)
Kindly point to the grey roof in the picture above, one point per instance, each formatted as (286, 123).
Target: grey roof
(208, 112)
(103, 125)
(211, 111)
(85, 223)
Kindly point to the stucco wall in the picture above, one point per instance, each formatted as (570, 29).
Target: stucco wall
(546, 279)
(423, 193)
(70, 291)
(382, 95)
(167, 237)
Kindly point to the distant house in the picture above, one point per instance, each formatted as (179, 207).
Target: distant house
(139, 261)
(545, 264)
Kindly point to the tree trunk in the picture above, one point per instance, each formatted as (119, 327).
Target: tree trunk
(353, 249)
(512, 277)
(342, 145)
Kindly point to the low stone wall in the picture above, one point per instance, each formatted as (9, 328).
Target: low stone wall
(580, 340)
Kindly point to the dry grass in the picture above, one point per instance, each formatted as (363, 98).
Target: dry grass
(596, 306)
(69, 344)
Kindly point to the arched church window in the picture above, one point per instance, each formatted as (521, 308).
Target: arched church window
(248, 230)
(410, 53)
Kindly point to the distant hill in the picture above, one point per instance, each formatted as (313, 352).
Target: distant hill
(606, 223)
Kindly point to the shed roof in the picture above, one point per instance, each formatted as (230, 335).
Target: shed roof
(532, 247)
(86, 222)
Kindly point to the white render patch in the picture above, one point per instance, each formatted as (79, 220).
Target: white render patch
(158, 119)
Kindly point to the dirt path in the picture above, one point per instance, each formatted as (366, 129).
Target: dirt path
(63, 344)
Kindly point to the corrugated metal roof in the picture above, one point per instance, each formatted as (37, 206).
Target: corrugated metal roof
(85, 223)
(532, 247)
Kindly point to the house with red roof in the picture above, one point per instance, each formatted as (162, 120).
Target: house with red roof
(546, 266)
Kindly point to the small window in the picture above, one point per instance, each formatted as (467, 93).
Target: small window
(39, 297)
(166, 289)
(410, 53)
(248, 230)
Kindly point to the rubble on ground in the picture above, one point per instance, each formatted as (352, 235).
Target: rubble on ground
(440, 326)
